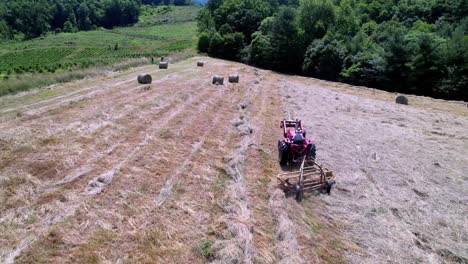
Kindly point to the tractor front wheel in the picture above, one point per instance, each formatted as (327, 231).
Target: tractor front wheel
(282, 153)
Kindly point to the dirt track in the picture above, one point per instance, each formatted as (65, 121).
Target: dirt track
(104, 170)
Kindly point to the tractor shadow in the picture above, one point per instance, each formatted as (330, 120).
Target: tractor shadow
(291, 167)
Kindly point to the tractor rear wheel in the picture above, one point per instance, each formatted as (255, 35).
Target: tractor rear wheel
(329, 187)
(311, 151)
(283, 153)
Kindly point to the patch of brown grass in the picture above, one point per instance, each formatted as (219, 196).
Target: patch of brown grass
(45, 249)
(43, 168)
(50, 140)
(16, 190)
(320, 235)
(331, 252)
(150, 243)
(101, 240)
(52, 197)
(166, 134)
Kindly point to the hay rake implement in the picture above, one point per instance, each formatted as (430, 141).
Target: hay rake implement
(310, 177)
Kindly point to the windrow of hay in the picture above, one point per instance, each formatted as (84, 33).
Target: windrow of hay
(237, 244)
(286, 246)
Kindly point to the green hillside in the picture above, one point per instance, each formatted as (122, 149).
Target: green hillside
(160, 31)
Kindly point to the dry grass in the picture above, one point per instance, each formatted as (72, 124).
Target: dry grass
(17, 190)
(221, 202)
(237, 243)
(46, 249)
(287, 247)
(30, 81)
(396, 178)
(51, 140)
(90, 252)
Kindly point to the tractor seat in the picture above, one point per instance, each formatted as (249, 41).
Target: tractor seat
(298, 139)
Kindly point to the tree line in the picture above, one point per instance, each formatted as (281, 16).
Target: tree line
(36, 17)
(167, 2)
(33, 18)
(408, 46)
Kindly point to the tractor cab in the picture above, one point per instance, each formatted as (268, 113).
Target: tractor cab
(295, 145)
(291, 129)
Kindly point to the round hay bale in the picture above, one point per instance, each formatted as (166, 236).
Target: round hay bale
(233, 78)
(200, 63)
(401, 100)
(144, 79)
(218, 79)
(163, 65)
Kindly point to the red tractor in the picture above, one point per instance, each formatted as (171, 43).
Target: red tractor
(295, 146)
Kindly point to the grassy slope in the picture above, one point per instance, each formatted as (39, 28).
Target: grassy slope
(160, 31)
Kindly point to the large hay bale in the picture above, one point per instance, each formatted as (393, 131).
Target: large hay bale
(401, 100)
(233, 78)
(163, 65)
(218, 79)
(144, 79)
(200, 63)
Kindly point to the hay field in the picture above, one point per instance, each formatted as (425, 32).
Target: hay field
(106, 170)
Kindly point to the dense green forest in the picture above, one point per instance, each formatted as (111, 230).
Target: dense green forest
(33, 18)
(410, 46)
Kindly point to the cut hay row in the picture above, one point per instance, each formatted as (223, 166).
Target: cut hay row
(286, 246)
(237, 245)
(284, 237)
(98, 184)
(167, 189)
